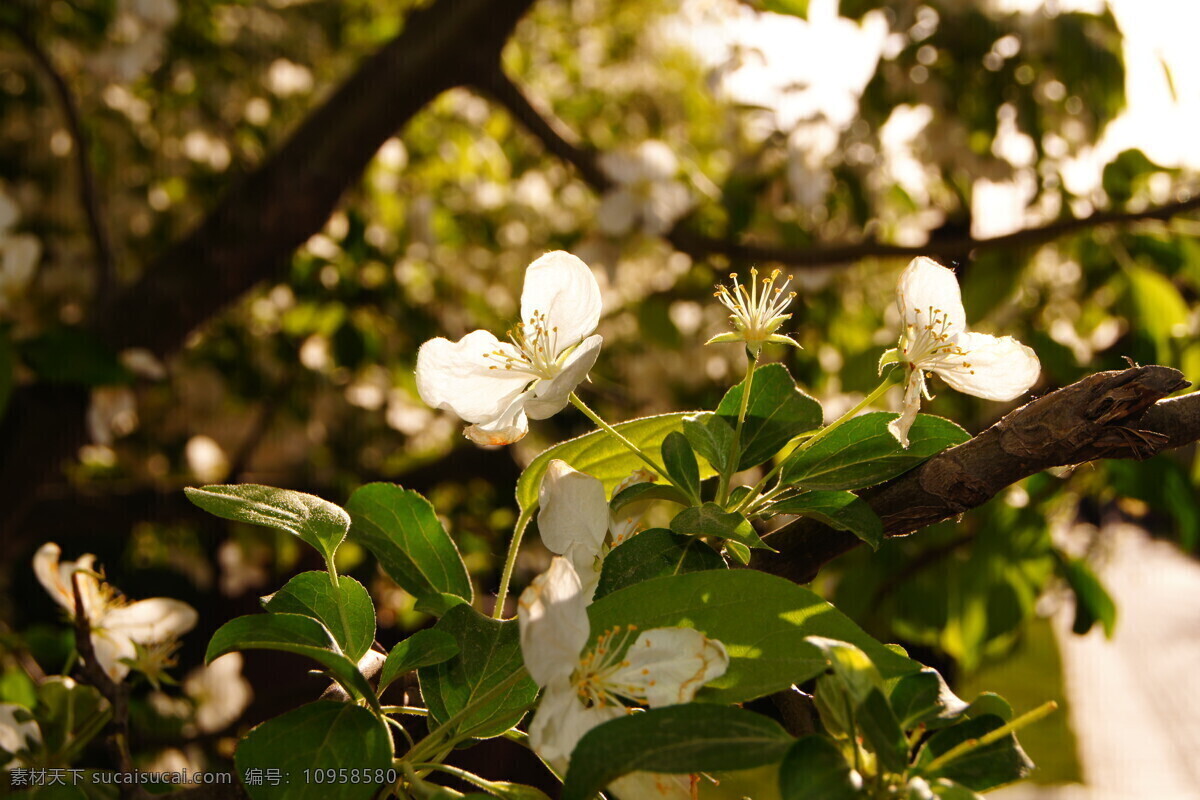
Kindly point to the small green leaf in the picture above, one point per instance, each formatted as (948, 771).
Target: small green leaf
(851, 666)
(680, 462)
(877, 723)
(652, 554)
(924, 697)
(841, 510)
(308, 740)
(402, 530)
(69, 715)
(644, 492)
(318, 522)
(990, 703)
(983, 768)
(777, 411)
(347, 611)
(710, 436)
(691, 737)
(712, 520)
(815, 769)
(489, 652)
(863, 452)
(1093, 603)
(422, 649)
(290, 633)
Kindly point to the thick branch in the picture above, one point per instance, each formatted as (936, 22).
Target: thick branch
(1107, 415)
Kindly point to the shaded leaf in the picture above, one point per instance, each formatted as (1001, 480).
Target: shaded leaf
(423, 649)
(841, 510)
(815, 769)
(347, 611)
(652, 554)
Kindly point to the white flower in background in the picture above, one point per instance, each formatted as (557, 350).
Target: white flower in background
(119, 627)
(645, 190)
(19, 254)
(112, 413)
(809, 148)
(18, 733)
(935, 339)
(582, 689)
(499, 386)
(574, 519)
(756, 312)
(220, 693)
(139, 33)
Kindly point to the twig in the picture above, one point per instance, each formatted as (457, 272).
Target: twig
(88, 195)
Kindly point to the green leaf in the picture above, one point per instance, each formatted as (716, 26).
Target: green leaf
(877, 723)
(1093, 603)
(347, 611)
(795, 8)
(983, 768)
(318, 522)
(841, 510)
(601, 456)
(712, 520)
(777, 411)
(652, 554)
(69, 715)
(680, 462)
(290, 633)
(949, 790)
(851, 666)
(324, 735)
(644, 492)
(762, 620)
(489, 652)
(403, 531)
(1159, 310)
(72, 355)
(924, 697)
(422, 649)
(691, 737)
(815, 769)
(863, 452)
(711, 436)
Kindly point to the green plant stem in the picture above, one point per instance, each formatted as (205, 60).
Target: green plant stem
(613, 432)
(879, 391)
(961, 749)
(510, 561)
(404, 731)
(431, 743)
(332, 570)
(413, 710)
(461, 774)
(735, 443)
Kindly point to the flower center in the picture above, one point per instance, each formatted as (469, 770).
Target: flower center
(593, 681)
(930, 342)
(536, 343)
(757, 311)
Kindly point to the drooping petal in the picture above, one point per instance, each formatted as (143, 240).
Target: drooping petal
(112, 652)
(563, 288)
(665, 666)
(927, 289)
(552, 396)
(573, 510)
(900, 426)
(510, 426)
(618, 209)
(552, 616)
(461, 377)
(158, 619)
(639, 785)
(560, 722)
(994, 368)
(46, 568)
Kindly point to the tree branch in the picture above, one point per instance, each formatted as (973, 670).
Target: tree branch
(1117, 414)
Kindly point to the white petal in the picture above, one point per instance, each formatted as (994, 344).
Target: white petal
(640, 785)
(925, 285)
(563, 288)
(459, 377)
(552, 396)
(561, 721)
(552, 615)
(573, 510)
(658, 160)
(667, 203)
(510, 426)
(17, 735)
(669, 665)
(158, 619)
(220, 692)
(618, 209)
(900, 426)
(111, 651)
(622, 167)
(46, 568)
(1001, 368)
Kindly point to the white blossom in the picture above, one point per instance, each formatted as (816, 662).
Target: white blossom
(219, 691)
(18, 733)
(19, 254)
(645, 192)
(499, 386)
(935, 339)
(756, 312)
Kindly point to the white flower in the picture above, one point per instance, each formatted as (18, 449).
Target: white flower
(19, 254)
(219, 691)
(500, 386)
(645, 190)
(935, 340)
(757, 312)
(582, 689)
(118, 626)
(18, 732)
(574, 518)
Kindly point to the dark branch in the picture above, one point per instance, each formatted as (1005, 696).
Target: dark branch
(88, 195)
(1107, 415)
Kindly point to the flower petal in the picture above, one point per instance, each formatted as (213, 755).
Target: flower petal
(459, 377)
(552, 616)
(658, 161)
(46, 568)
(552, 396)
(563, 288)
(561, 721)
(574, 510)
(900, 426)
(111, 651)
(926, 286)
(17, 735)
(510, 426)
(1000, 368)
(669, 665)
(158, 619)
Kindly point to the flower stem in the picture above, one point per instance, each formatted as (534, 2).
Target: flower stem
(510, 561)
(736, 443)
(961, 749)
(613, 432)
(844, 418)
